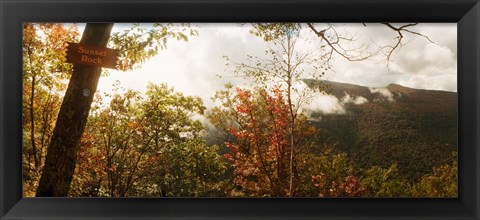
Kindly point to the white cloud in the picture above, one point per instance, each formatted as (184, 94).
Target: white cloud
(324, 103)
(416, 59)
(192, 67)
(430, 59)
(438, 82)
(357, 100)
(329, 104)
(385, 92)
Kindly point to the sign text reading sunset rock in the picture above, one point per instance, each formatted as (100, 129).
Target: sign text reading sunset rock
(91, 55)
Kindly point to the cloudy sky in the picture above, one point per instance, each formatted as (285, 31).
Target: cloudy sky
(193, 67)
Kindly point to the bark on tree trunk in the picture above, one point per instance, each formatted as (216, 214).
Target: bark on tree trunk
(72, 118)
(32, 124)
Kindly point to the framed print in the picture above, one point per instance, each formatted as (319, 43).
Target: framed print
(239, 109)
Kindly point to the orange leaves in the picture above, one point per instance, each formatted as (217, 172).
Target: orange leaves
(246, 105)
(90, 159)
(259, 149)
(257, 127)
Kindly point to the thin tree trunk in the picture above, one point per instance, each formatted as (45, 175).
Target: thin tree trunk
(72, 118)
(292, 116)
(292, 150)
(45, 125)
(32, 123)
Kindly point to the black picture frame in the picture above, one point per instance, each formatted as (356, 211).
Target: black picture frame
(466, 13)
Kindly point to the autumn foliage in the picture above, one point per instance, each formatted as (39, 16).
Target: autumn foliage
(260, 149)
(350, 187)
(257, 123)
(159, 143)
(44, 80)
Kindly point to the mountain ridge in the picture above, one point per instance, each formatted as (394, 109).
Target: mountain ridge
(414, 128)
(390, 85)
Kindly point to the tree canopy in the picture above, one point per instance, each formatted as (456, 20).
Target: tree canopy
(155, 143)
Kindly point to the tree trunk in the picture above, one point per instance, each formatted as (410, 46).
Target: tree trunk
(292, 148)
(72, 118)
(32, 124)
(291, 190)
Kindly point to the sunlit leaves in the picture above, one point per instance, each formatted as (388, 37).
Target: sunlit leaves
(140, 42)
(153, 144)
(255, 124)
(285, 66)
(147, 145)
(44, 50)
(44, 81)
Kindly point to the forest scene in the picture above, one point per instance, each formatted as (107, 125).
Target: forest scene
(240, 110)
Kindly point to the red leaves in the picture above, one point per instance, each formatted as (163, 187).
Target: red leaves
(350, 187)
(246, 105)
(259, 151)
(90, 159)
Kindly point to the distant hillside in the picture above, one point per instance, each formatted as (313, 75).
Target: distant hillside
(417, 129)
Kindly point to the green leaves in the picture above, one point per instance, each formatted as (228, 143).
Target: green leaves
(387, 182)
(152, 146)
(274, 31)
(44, 81)
(141, 42)
(442, 182)
(191, 169)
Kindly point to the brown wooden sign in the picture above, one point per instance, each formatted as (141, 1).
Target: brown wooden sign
(92, 55)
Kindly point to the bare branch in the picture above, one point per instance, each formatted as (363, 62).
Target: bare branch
(400, 31)
(335, 45)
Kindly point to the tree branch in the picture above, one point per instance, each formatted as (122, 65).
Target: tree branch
(334, 45)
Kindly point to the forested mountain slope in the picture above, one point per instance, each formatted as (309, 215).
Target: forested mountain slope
(417, 129)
